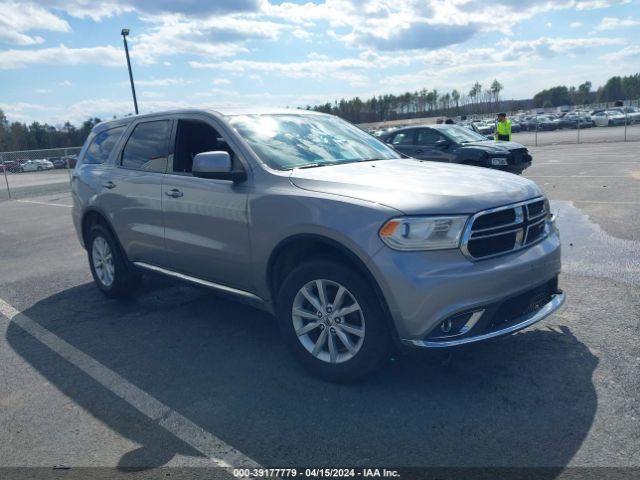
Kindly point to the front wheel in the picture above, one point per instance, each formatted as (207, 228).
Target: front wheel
(113, 276)
(332, 321)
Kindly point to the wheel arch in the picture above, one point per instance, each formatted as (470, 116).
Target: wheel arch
(291, 251)
(94, 216)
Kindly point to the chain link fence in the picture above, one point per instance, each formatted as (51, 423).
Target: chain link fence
(33, 172)
(626, 129)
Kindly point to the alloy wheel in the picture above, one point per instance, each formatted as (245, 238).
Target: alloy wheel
(328, 321)
(102, 259)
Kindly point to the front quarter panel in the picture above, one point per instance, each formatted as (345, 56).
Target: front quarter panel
(285, 211)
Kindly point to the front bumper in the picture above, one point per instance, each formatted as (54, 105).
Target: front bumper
(423, 289)
(509, 326)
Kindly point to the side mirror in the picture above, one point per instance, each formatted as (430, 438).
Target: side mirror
(441, 144)
(216, 165)
(490, 137)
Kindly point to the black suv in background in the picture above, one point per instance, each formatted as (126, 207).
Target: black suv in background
(455, 144)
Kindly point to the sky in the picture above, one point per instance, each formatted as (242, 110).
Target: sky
(64, 60)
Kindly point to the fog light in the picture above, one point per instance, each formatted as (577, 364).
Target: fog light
(445, 326)
(498, 161)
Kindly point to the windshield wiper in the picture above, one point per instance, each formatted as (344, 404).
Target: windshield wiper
(311, 165)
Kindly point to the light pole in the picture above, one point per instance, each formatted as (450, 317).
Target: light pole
(124, 33)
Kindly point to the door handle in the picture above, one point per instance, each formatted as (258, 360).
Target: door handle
(109, 185)
(419, 151)
(174, 193)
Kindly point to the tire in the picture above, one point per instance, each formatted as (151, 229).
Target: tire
(39, 169)
(110, 269)
(364, 328)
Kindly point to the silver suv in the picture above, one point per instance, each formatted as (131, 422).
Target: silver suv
(355, 250)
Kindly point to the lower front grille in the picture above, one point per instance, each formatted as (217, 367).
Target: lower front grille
(523, 304)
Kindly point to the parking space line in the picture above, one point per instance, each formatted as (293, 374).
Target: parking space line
(45, 203)
(578, 176)
(606, 202)
(220, 453)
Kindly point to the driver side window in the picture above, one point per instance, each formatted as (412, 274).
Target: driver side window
(403, 138)
(193, 137)
(428, 137)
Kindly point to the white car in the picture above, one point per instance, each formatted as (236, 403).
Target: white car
(36, 165)
(633, 114)
(608, 118)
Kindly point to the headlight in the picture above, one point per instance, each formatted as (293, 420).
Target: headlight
(423, 233)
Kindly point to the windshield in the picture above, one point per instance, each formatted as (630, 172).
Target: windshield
(462, 135)
(286, 141)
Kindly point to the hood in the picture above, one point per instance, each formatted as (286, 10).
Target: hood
(493, 145)
(418, 187)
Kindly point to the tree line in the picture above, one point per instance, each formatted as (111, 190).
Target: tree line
(615, 89)
(416, 104)
(35, 136)
(430, 103)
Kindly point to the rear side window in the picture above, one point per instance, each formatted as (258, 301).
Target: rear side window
(102, 145)
(148, 147)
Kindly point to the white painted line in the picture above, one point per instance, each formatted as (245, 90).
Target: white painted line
(220, 453)
(45, 203)
(606, 202)
(578, 176)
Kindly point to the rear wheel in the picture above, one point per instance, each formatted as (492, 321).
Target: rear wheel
(332, 321)
(113, 276)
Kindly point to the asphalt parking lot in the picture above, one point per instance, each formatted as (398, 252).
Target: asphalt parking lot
(180, 377)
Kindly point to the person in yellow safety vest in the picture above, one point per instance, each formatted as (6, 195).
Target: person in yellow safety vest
(503, 128)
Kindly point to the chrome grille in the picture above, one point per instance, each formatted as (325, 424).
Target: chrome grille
(505, 229)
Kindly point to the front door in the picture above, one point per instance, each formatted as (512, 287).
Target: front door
(426, 139)
(205, 220)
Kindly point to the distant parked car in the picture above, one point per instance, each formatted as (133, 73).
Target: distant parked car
(62, 162)
(528, 123)
(546, 122)
(482, 127)
(455, 144)
(35, 165)
(576, 120)
(632, 113)
(10, 166)
(608, 118)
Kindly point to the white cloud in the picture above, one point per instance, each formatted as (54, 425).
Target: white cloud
(302, 34)
(350, 70)
(575, 24)
(220, 81)
(65, 83)
(596, 4)
(546, 47)
(159, 82)
(152, 94)
(19, 18)
(630, 53)
(42, 91)
(100, 9)
(108, 56)
(210, 38)
(613, 23)
(548, 24)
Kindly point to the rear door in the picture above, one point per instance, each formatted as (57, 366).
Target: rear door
(206, 220)
(132, 191)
